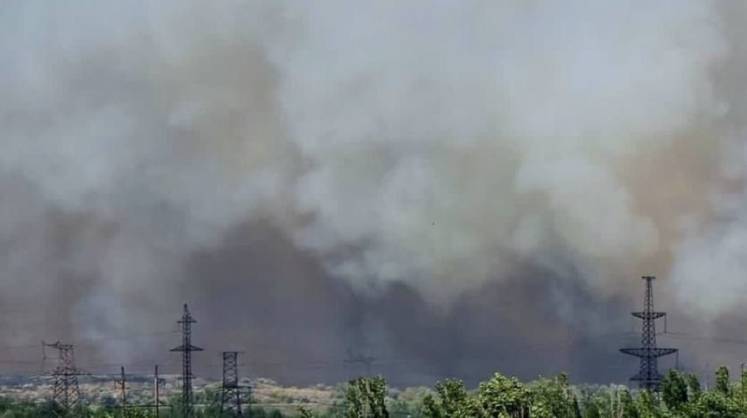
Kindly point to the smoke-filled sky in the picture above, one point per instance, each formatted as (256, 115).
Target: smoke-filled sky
(453, 187)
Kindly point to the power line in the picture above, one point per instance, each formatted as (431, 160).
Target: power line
(687, 336)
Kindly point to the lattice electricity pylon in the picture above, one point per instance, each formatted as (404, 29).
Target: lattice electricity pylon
(66, 391)
(231, 391)
(186, 349)
(648, 376)
(366, 361)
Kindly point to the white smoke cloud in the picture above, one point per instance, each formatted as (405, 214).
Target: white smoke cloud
(708, 270)
(450, 139)
(156, 137)
(437, 143)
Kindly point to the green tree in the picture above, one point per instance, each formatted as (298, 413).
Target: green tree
(722, 380)
(627, 405)
(453, 401)
(647, 405)
(693, 386)
(366, 398)
(576, 408)
(743, 389)
(354, 399)
(592, 411)
(714, 404)
(502, 397)
(552, 398)
(674, 391)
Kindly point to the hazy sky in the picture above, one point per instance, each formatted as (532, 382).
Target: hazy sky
(454, 187)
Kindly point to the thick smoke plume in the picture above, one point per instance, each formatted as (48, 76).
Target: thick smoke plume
(386, 171)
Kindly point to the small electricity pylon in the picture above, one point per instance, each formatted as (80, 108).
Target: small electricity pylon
(157, 382)
(186, 349)
(121, 385)
(66, 391)
(230, 397)
(648, 376)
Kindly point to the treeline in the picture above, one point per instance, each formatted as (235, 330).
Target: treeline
(681, 396)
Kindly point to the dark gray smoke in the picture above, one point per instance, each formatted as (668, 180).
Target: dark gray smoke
(453, 187)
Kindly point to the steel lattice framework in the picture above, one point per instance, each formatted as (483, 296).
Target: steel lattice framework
(66, 391)
(186, 349)
(231, 391)
(648, 376)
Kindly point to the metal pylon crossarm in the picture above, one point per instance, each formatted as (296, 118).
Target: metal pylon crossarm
(648, 352)
(649, 315)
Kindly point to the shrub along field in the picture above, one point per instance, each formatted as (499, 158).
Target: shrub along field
(681, 395)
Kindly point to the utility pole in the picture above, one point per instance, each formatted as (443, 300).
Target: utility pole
(648, 376)
(121, 384)
(186, 349)
(156, 394)
(66, 391)
(230, 399)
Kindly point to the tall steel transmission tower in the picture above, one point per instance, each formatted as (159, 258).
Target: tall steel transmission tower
(66, 391)
(186, 349)
(230, 399)
(648, 376)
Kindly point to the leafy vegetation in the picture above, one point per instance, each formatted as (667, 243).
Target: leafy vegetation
(681, 396)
